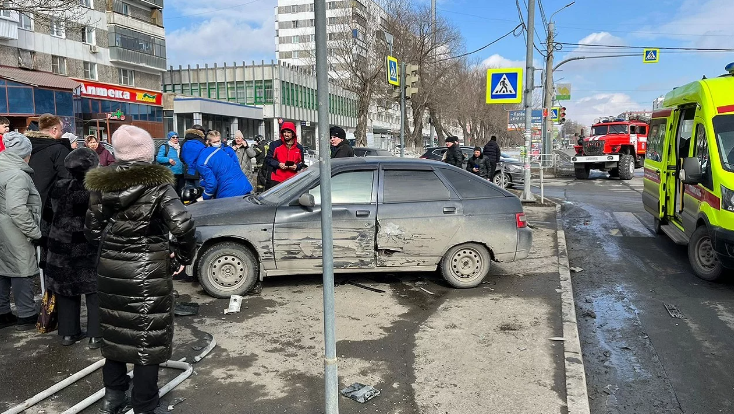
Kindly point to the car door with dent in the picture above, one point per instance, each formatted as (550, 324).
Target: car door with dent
(417, 216)
(297, 231)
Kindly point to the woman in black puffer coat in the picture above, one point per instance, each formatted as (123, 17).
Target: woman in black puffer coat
(133, 207)
(69, 260)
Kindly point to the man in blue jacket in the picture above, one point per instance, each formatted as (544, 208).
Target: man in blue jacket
(221, 175)
(168, 155)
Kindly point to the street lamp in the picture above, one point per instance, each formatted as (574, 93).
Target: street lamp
(564, 7)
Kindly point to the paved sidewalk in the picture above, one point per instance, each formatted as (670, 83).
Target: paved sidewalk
(428, 348)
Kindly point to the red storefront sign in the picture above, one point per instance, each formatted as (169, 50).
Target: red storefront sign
(119, 93)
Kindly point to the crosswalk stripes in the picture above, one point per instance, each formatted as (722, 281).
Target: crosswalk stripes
(629, 225)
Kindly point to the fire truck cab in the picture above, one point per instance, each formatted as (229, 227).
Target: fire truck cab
(616, 145)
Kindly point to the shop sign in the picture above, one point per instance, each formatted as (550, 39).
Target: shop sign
(119, 93)
(119, 115)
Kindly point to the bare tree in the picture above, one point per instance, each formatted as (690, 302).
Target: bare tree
(70, 13)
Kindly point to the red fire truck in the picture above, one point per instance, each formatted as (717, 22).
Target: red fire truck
(616, 145)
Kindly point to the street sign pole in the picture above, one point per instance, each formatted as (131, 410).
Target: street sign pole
(527, 194)
(548, 95)
(402, 109)
(331, 379)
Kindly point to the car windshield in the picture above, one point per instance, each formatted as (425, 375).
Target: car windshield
(281, 191)
(724, 129)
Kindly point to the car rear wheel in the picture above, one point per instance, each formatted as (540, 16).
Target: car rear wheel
(227, 269)
(702, 256)
(466, 265)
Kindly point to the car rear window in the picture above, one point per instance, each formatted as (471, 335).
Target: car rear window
(470, 185)
(402, 186)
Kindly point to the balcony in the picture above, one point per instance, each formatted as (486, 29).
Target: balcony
(118, 19)
(118, 54)
(8, 29)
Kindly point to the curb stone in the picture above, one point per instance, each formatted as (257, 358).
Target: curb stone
(577, 397)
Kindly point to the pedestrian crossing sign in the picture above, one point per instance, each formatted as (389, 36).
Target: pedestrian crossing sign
(651, 56)
(504, 86)
(554, 114)
(392, 71)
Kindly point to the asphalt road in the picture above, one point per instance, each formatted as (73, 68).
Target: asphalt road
(639, 358)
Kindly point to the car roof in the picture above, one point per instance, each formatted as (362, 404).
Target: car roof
(383, 160)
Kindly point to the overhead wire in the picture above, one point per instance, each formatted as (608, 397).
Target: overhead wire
(698, 49)
(513, 31)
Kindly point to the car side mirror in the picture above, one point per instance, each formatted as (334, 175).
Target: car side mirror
(307, 200)
(691, 171)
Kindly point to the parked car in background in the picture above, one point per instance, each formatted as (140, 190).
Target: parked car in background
(371, 152)
(513, 166)
(431, 215)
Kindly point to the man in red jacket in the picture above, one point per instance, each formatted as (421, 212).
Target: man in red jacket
(4, 128)
(285, 156)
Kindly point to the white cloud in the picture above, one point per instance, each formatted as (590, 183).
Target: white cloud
(498, 61)
(599, 38)
(219, 31)
(703, 24)
(585, 110)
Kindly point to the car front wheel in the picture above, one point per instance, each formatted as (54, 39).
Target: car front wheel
(227, 269)
(497, 180)
(466, 265)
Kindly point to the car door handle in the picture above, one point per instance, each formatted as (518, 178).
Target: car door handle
(449, 210)
(363, 213)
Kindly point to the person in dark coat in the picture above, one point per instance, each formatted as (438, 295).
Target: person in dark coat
(285, 156)
(492, 153)
(479, 164)
(133, 208)
(49, 152)
(105, 158)
(20, 219)
(339, 143)
(68, 259)
(221, 175)
(453, 154)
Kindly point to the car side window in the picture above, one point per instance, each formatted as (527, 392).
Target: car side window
(469, 185)
(354, 187)
(402, 186)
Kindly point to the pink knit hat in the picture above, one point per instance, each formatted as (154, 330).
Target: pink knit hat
(132, 144)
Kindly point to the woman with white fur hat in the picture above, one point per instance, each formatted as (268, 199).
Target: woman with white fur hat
(20, 219)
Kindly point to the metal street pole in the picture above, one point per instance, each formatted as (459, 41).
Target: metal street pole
(331, 378)
(527, 195)
(548, 95)
(402, 109)
(433, 53)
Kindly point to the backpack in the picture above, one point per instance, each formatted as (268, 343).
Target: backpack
(168, 148)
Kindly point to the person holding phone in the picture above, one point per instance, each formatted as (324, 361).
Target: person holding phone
(285, 157)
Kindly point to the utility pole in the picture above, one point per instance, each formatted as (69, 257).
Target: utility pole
(527, 194)
(331, 378)
(402, 109)
(433, 61)
(548, 95)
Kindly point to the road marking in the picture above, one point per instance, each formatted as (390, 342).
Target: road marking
(632, 225)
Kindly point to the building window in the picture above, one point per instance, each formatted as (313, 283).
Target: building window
(25, 22)
(125, 9)
(127, 77)
(87, 3)
(58, 65)
(90, 70)
(89, 35)
(6, 13)
(57, 28)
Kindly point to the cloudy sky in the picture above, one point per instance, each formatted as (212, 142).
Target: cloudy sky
(244, 30)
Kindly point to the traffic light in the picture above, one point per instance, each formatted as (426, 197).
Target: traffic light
(562, 115)
(412, 80)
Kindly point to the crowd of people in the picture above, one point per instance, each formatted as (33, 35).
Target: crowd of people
(107, 226)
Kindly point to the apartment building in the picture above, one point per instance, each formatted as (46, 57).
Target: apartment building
(99, 72)
(350, 23)
(255, 99)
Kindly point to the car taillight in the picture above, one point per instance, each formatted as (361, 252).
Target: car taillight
(521, 221)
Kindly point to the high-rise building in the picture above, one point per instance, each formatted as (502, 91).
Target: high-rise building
(99, 72)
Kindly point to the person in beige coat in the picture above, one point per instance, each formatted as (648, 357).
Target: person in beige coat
(245, 154)
(20, 219)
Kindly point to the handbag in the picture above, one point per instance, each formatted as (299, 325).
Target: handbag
(48, 318)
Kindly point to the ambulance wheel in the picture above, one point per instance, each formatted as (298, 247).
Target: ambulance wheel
(702, 256)
(582, 172)
(626, 167)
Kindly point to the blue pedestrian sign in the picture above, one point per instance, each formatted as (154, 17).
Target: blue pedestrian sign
(553, 114)
(504, 86)
(651, 56)
(393, 74)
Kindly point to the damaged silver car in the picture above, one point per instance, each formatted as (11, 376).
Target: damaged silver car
(389, 215)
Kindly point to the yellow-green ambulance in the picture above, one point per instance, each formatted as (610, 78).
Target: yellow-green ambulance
(689, 172)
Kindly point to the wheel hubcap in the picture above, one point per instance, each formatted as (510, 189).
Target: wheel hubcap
(466, 264)
(632, 168)
(227, 271)
(706, 255)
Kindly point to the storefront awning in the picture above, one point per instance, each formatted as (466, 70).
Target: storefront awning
(37, 78)
(187, 105)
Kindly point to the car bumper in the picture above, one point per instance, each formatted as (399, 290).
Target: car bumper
(723, 241)
(597, 158)
(524, 243)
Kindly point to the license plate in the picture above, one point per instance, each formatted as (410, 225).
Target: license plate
(600, 158)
